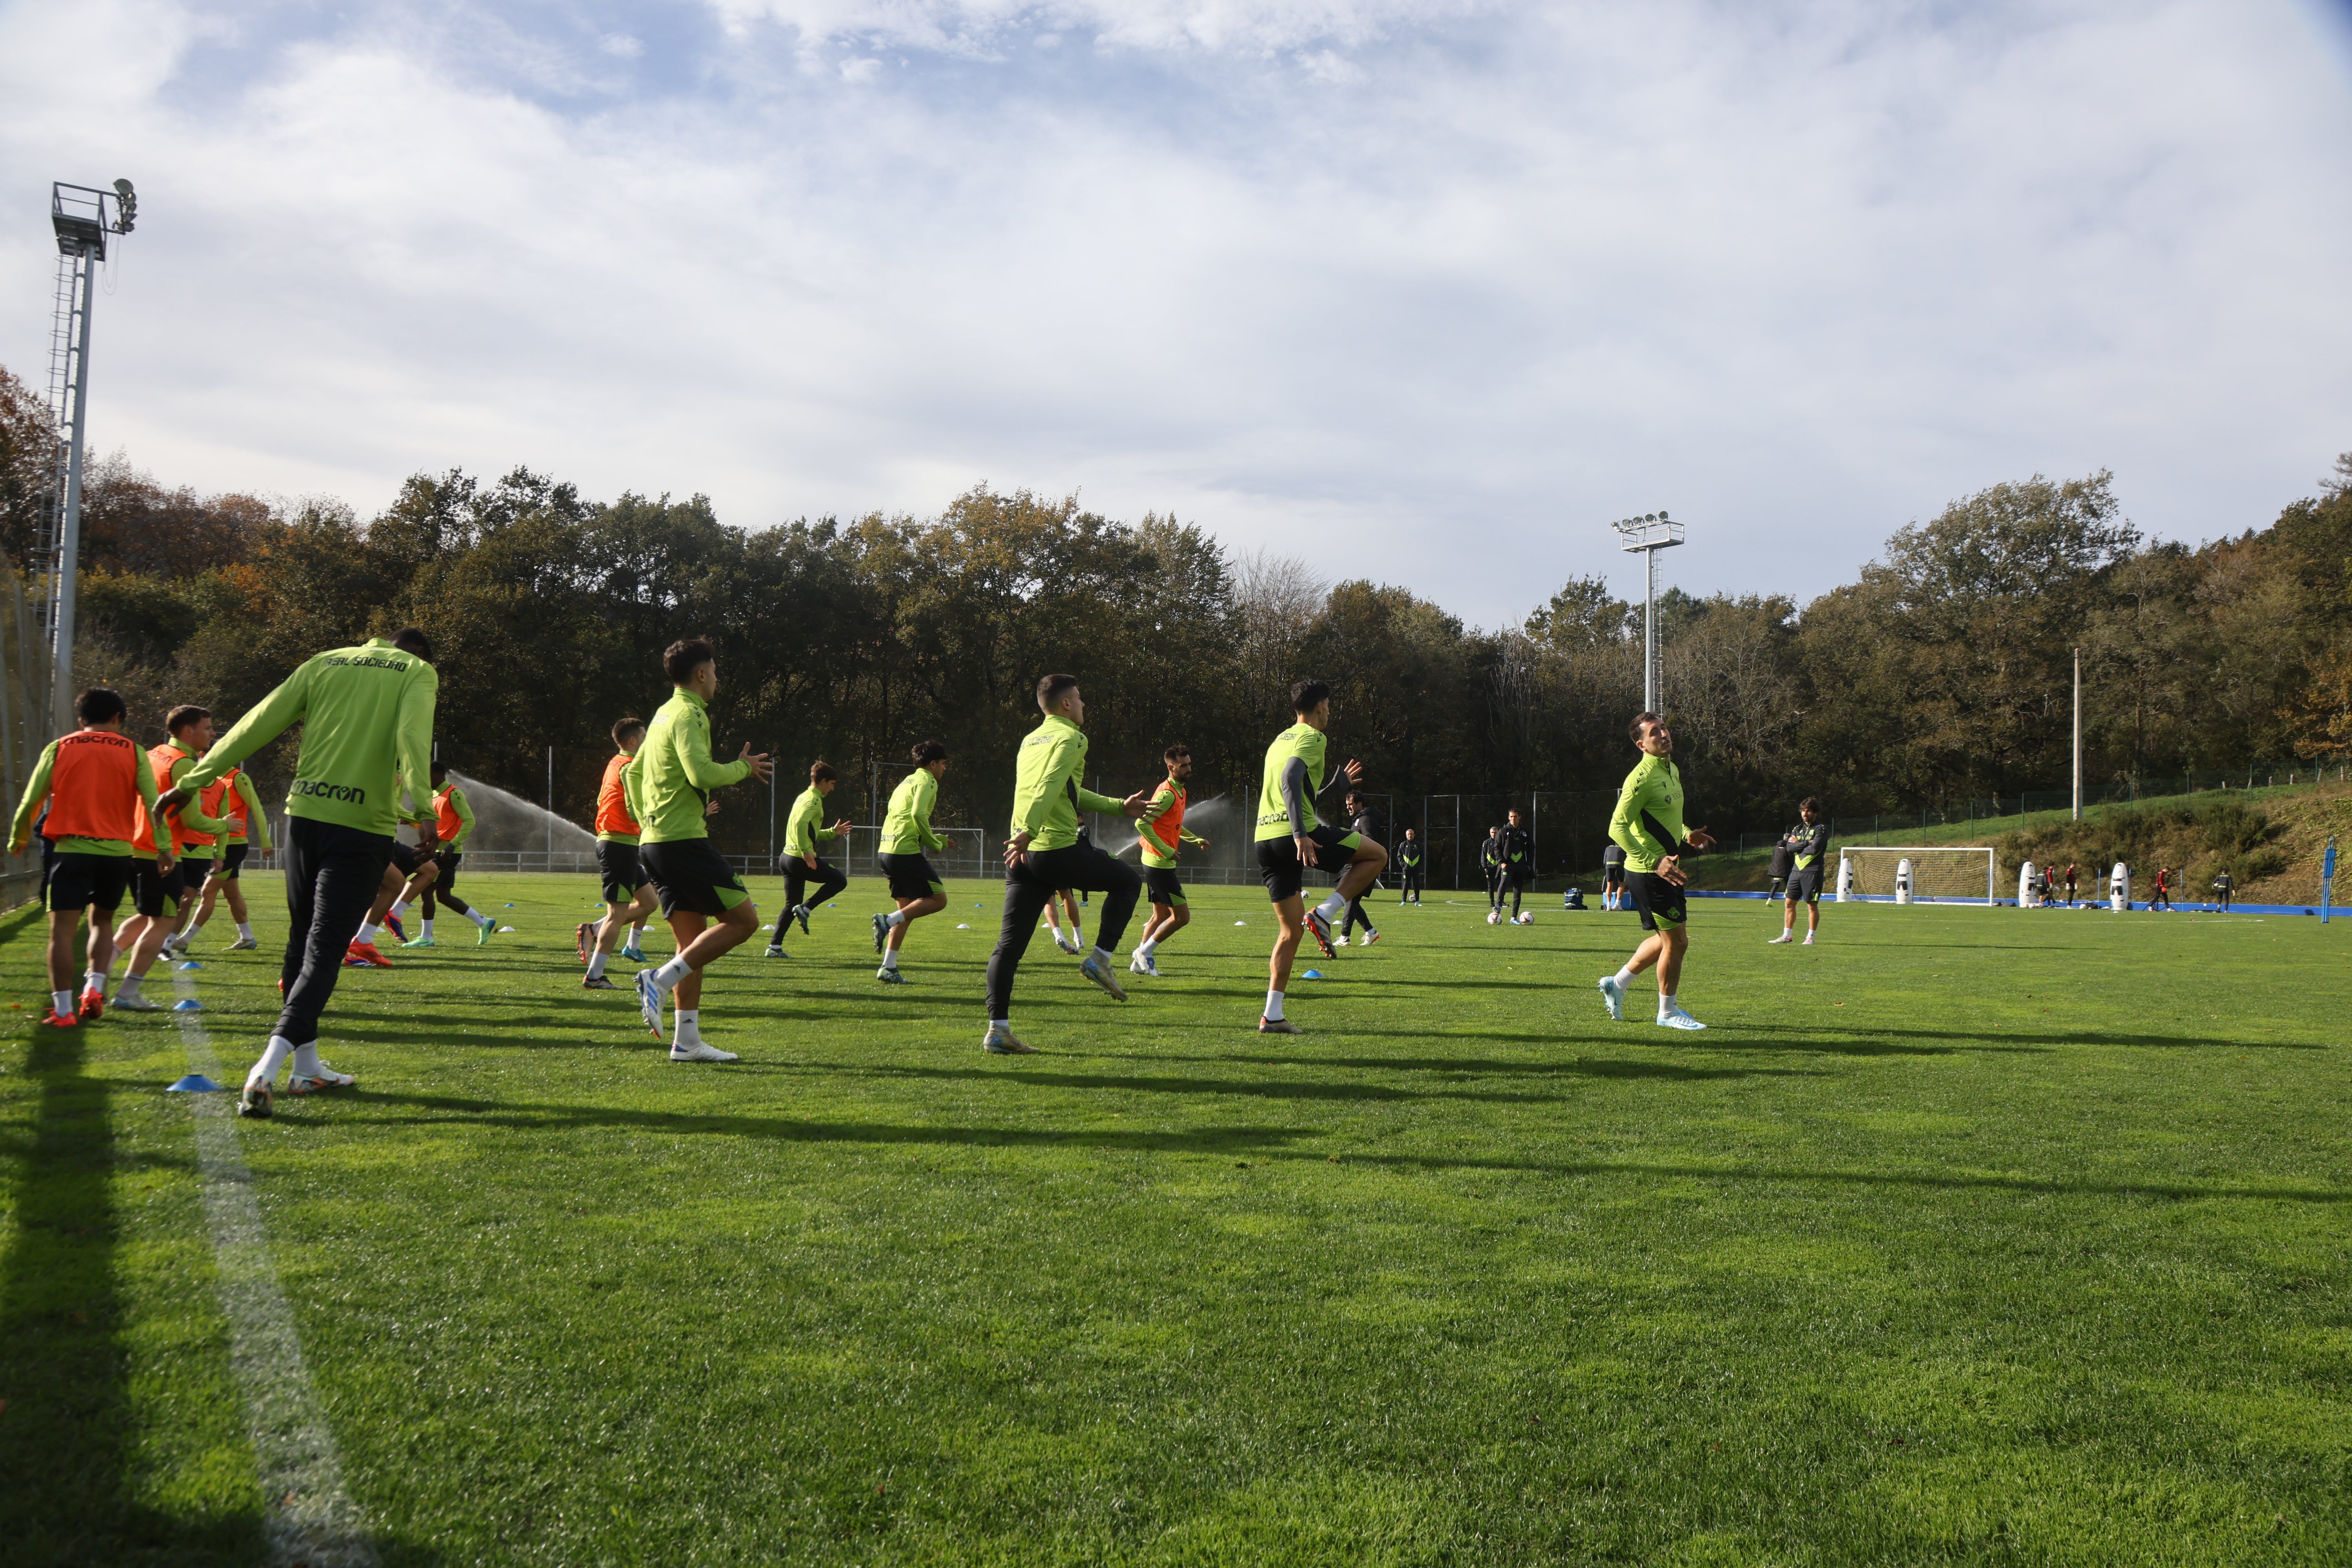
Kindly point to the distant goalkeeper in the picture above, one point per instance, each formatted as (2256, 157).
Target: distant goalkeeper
(1809, 853)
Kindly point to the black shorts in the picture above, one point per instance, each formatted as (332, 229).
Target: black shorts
(154, 893)
(1278, 859)
(448, 860)
(1805, 885)
(76, 881)
(911, 877)
(1613, 875)
(618, 865)
(194, 872)
(408, 858)
(1659, 901)
(691, 877)
(1162, 886)
(231, 857)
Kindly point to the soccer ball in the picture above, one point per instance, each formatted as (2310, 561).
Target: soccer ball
(1526, 919)
(1493, 917)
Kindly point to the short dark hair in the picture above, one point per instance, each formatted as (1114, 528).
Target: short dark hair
(409, 639)
(438, 772)
(625, 728)
(1050, 690)
(1514, 811)
(1306, 696)
(1644, 717)
(1176, 753)
(99, 705)
(185, 714)
(684, 657)
(1809, 804)
(926, 752)
(820, 771)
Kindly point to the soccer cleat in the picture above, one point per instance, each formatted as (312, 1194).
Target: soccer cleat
(136, 1004)
(597, 983)
(1776, 940)
(889, 977)
(363, 955)
(93, 1006)
(1370, 937)
(56, 1020)
(1340, 941)
(1278, 1026)
(881, 931)
(420, 940)
(1678, 1020)
(776, 950)
(1613, 994)
(482, 934)
(1320, 929)
(1808, 939)
(700, 1052)
(1144, 964)
(1095, 970)
(399, 932)
(649, 1001)
(636, 954)
(255, 1100)
(580, 935)
(242, 944)
(325, 1079)
(1003, 1043)
(801, 913)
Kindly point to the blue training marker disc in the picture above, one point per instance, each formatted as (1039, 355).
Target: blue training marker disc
(1314, 974)
(195, 1083)
(187, 1004)
(192, 963)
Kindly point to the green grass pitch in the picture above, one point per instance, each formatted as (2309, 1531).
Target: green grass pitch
(1966, 1237)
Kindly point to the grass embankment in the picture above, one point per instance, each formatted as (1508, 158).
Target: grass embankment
(1967, 1235)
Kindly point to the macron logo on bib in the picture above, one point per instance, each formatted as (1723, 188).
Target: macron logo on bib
(350, 793)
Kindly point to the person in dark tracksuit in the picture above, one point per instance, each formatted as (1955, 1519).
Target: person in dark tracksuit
(1366, 822)
(1411, 858)
(1490, 864)
(1519, 863)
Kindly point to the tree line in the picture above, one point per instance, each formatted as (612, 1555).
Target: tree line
(1942, 674)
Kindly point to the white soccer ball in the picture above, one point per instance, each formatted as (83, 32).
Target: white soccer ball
(1493, 917)
(1527, 917)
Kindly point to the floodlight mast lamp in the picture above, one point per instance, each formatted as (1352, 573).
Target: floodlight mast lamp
(83, 218)
(1649, 533)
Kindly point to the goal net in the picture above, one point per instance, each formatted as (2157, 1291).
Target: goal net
(1936, 874)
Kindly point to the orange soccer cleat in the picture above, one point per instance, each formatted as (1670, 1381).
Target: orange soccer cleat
(363, 955)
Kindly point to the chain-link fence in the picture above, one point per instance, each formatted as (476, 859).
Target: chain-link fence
(27, 724)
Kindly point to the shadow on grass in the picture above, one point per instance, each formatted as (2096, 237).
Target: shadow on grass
(69, 1429)
(2055, 1038)
(1293, 1088)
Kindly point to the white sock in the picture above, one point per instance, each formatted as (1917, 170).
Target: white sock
(478, 917)
(636, 935)
(244, 932)
(273, 1056)
(61, 1002)
(1003, 1024)
(426, 927)
(689, 1027)
(1625, 976)
(595, 966)
(94, 980)
(400, 910)
(306, 1061)
(1104, 956)
(895, 917)
(889, 958)
(128, 989)
(667, 977)
(1274, 1006)
(1147, 947)
(1666, 1003)
(367, 933)
(1332, 908)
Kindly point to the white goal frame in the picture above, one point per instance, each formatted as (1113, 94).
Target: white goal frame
(1897, 851)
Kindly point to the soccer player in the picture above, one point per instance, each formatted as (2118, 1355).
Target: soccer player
(1490, 865)
(1366, 822)
(1065, 900)
(1648, 822)
(805, 829)
(97, 785)
(1517, 847)
(2070, 884)
(408, 870)
(1808, 851)
(453, 823)
(366, 713)
(1291, 840)
(158, 885)
(1612, 877)
(906, 835)
(2224, 886)
(628, 899)
(1409, 856)
(1043, 854)
(2163, 899)
(241, 806)
(694, 883)
(1162, 833)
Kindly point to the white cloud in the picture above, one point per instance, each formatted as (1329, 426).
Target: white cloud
(1429, 293)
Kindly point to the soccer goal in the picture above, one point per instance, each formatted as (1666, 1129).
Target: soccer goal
(1940, 875)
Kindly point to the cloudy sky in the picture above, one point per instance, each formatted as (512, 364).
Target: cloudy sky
(1428, 290)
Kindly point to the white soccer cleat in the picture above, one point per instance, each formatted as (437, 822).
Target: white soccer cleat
(136, 1004)
(1370, 937)
(1613, 994)
(1678, 1020)
(1809, 939)
(1004, 1043)
(325, 1079)
(1340, 941)
(1784, 936)
(1095, 970)
(700, 1052)
(1142, 964)
(649, 1002)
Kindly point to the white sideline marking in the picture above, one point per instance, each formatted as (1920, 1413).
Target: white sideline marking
(310, 1519)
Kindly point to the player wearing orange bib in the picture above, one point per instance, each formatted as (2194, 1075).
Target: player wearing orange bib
(453, 823)
(231, 800)
(628, 893)
(158, 877)
(1160, 834)
(96, 783)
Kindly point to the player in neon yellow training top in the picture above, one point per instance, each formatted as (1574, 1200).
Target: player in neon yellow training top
(906, 836)
(1291, 838)
(366, 714)
(1648, 826)
(1042, 852)
(805, 829)
(675, 773)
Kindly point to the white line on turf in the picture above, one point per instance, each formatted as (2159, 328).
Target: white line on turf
(310, 1519)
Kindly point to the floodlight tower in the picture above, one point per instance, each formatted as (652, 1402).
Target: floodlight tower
(82, 217)
(1649, 533)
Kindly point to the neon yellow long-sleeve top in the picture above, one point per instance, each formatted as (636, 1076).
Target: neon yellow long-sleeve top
(676, 771)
